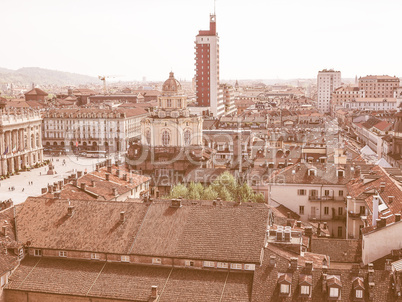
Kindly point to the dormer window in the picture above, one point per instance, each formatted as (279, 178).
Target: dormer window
(284, 281)
(333, 292)
(334, 287)
(312, 172)
(358, 288)
(306, 282)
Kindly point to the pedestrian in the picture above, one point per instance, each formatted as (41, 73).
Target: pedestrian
(23, 189)
(40, 173)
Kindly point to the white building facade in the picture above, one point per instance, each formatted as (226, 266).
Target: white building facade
(327, 81)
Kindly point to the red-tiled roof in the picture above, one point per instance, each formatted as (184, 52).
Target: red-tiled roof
(36, 91)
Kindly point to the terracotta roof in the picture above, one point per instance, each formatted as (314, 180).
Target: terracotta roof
(129, 282)
(339, 250)
(165, 231)
(36, 91)
(366, 191)
(383, 125)
(94, 226)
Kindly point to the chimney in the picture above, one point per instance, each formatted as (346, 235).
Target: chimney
(56, 195)
(75, 182)
(131, 180)
(397, 217)
(97, 168)
(79, 174)
(293, 263)
(378, 223)
(388, 265)
(70, 211)
(107, 176)
(375, 210)
(93, 183)
(309, 266)
(391, 199)
(272, 261)
(50, 189)
(109, 169)
(118, 172)
(115, 192)
(122, 216)
(308, 231)
(383, 222)
(44, 190)
(61, 184)
(83, 186)
(298, 224)
(4, 230)
(154, 292)
(125, 177)
(175, 203)
(382, 186)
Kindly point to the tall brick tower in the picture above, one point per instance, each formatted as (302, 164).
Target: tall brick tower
(207, 69)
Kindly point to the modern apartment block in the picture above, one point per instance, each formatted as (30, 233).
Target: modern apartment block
(327, 81)
(207, 70)
(375, 86)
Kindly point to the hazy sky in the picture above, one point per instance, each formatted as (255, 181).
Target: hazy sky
(258, 38)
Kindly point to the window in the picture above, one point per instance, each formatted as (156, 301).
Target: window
(188, 263)
(236, 266)
(340, 211)
(305, 290)
(340, 192)
(156, 260)
(187, 137)
(165, 138)
(209, 264)
(340, 231)
(334, 292)
(326, 210)
(313, 193)
(62, 254)
(301, 192)
(285, 288)
(301, 210)
(362, 210)
(249, 267)
(359, 293)
(326, 192)
(340, 173)
(179, 103)
(125, 258)
(37, 253)
(222, 265)
(169, 103)
(148, 136)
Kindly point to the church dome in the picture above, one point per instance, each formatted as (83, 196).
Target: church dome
(171, 84)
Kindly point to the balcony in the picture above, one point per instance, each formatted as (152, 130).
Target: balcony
(317, 218)
(326, 198)
(355, 215)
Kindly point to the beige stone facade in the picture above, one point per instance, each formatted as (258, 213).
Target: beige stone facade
(171, 125)
(20, 140)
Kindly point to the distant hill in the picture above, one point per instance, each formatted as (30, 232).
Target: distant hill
(40, 76)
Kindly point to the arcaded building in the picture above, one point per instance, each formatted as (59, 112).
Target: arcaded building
(20, 140)
(92, 129)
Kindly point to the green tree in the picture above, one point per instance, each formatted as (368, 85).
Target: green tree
(209, 194)
(178, 190)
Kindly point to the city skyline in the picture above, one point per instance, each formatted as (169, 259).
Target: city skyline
(148, 38)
